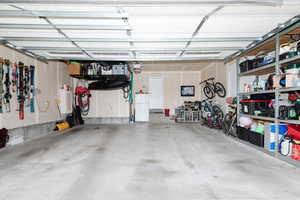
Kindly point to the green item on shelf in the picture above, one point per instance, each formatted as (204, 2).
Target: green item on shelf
(292, 113)
(293, 54)
(293, 66)
(260, 128)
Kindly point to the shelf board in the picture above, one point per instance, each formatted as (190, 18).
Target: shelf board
(289, 121)
(258, 117)
(266, 69)
(270, 67)
(257, 92)
(289, 89)
(290, 60)
(99, 77)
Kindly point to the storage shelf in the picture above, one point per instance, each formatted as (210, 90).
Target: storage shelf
(266, 69)
(258, 117)
(290, 60)
(260, 70)
(257, 92)
(274, 154)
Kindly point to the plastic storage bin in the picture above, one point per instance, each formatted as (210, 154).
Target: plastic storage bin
(256, 138)
(294, 131)
(296, 151)
(243, 133)
(293, 68)
(246, 66)
(270, 136)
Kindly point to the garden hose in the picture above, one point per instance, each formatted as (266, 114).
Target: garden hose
(130, 92)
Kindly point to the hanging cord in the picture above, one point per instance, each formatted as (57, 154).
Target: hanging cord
(47, 103)
(130, 93)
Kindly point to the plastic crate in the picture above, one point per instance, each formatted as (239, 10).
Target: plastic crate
(246, 66)
(248, 107)
(243, 133)
(257, 62)
(256, 138)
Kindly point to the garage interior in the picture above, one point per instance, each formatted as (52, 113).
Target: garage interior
(150, 100)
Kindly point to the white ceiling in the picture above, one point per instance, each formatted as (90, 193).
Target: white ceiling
(157, 31)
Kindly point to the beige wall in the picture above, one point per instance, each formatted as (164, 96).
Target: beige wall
(219, 72)
(107, 104)
(172, 81)
(48, 78)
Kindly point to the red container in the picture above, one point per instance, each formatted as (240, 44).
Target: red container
(294, 131)
(167, 112)
(296, 152)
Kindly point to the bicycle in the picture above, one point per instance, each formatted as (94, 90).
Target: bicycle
(212, 115)
(229, 123)
(212, 88)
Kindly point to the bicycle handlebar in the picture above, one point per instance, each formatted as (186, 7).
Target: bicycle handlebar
(209, 79)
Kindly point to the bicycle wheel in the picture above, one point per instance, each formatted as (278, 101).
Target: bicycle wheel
(209, 92)
(220, 89)
(217, 111)
(233, 128)
(226, 123)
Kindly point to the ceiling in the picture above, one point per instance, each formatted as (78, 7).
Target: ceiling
(139, 30)
(191, 65)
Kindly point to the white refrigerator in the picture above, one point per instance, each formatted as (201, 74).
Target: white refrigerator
(142, 107)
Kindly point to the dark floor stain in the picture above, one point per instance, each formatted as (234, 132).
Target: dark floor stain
(100, 149)
(151, 161)
(189, 164)
(32, 152)
(241, 161)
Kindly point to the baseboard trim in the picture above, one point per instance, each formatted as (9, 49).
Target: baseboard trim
(106, 120)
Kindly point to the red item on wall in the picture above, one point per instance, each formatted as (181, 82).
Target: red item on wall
(81, 93)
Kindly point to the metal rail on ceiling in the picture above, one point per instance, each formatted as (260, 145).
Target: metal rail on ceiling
(204, 19)
(134, 3)
(136, 39)
(62, 14)
(64, 26)
(42, 48)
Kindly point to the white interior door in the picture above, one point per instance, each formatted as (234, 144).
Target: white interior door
(156, 91)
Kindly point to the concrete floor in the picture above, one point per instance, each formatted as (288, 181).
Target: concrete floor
(157, 161)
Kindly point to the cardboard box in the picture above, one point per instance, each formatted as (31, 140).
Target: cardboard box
(292, 80)
(74, 69)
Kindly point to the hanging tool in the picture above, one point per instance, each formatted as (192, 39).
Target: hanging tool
(32, 88)
(1, 85)
(7, 95)
(20, 90)
(57, 102)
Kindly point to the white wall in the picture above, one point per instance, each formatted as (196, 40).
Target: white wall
(172, 80)
(48, 78)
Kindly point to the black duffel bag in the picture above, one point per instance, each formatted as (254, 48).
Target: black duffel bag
(4, 137)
